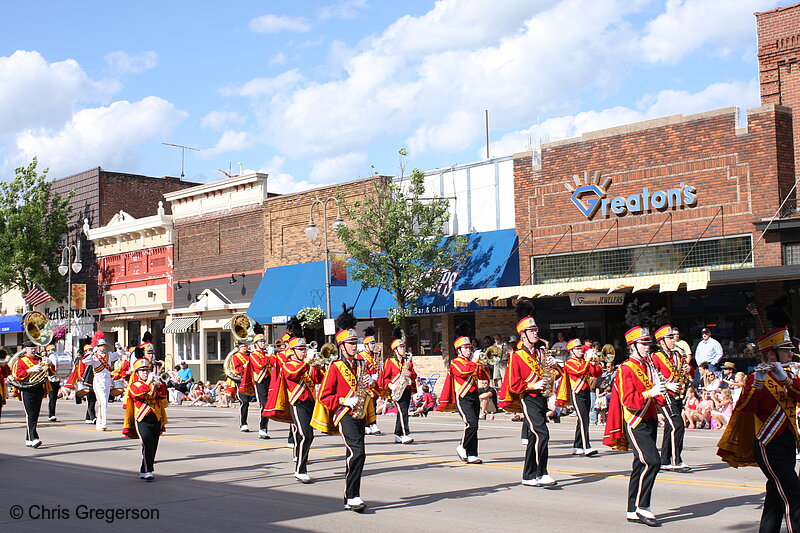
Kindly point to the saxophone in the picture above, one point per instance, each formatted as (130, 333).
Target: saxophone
(684, 379)
(403, 381)
(362, 394)
(551, 372)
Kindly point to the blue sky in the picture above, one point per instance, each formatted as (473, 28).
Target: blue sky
(315, 92)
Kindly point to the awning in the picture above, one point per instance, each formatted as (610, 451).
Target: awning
(665, 283)
(180, 324)
(10, 324)
(227, 325)
(285, 290)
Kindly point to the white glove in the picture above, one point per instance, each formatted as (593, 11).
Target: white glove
(760, 376)
(370, 380)
(351, 402)
(778, 371)
(687, 369)
(550, 360)
(672, 387)
(118, 346)
(151, 377)
(35, 368)
(657, 390)
(538, 385)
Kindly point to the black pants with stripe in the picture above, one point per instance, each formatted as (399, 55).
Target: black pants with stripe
(401, 424)
(353, 431)
(534, 409)
(646, 462)
(245, 400)
(777, 461)
(469, 407)
(582, 402)
(91, 406)
(53, 397)
(149, 430)
(674, 431)
(303, 433)
(32, 403)
(262, 390)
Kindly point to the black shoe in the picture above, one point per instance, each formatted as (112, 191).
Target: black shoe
(650, 522)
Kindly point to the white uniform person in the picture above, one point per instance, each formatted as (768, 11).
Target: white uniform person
(102, 362)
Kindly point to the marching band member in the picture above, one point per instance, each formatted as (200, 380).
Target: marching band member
(667, 361)
(32, 396)
(397, 372)
(5, 371)
(123, 367)
(523, 390)
(100, 359)
(256, 377)
(633, 422)
(244, 391)
(372, 366)
(83, 373)
(55, 384)
(301, 380)
(577, 373)
(145, 413)
(763, 431)
(346, 389)
(461, 392)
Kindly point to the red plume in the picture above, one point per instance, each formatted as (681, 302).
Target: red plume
(96, 337)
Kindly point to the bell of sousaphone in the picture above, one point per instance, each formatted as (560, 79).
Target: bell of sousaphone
(37, 328)
(242, 327)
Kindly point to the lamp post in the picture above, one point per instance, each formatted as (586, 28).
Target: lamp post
(312, 232)
(70, 262)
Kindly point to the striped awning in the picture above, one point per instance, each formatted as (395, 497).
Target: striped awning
(665, 282)
(227, 325)
(181, 324)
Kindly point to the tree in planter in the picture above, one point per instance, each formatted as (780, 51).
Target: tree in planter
(395, 240)
(33, 221)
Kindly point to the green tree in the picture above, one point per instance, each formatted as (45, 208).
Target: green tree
(33, 221)
(395, 240)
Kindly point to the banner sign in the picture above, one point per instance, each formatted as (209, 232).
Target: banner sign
(596, 298)
(338, 269)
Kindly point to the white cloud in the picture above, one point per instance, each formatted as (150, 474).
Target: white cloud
(278, 59)
(277, 24)
(38, 94)
(260, 87)
(230, 141)
(347, 9)
(342, 167)
(217, 120)
(104, 136)
(123, 63)
(688, 25)
(662, 104)
(283, 182)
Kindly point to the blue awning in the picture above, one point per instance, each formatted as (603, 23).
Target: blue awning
(10, 324)
(285, 290)
(493, 262)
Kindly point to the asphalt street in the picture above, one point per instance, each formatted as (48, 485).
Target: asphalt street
(211, 477)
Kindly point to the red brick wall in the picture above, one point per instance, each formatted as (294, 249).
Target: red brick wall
(228, 242)
(779, 61)
(136, 195)
(739, 177)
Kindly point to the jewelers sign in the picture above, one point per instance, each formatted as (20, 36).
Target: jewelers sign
(596, 298)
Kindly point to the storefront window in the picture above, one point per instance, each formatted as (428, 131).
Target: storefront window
(188, 345)
(134, 333)
(425, 335)
(212, 350)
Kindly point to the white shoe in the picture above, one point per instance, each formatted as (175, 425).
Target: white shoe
(368, 430)
(243, 428)
(290, 445)
(148, 476)
(577, 451)
(398, 439)
(355, 504)
(262, 434)
(375, 430)
(142, 475)
(88, 421)
(532, 482)
(462, 453)
(53, 419)
(683, 467)
(589, 452)
(405, 439)
(102, 428)
(35, 443)
(547, 481)
(302, 478)
(474, 460)
(668, 467)
(28, 443)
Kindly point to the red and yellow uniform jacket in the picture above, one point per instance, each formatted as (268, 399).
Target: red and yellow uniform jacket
(20, 370)
(122, 371)
(390, 375)
(462, 378)
(296, 381)
(4, 373)
(339, 383)
(669, 367)
(76, 376)
(141, 399)
(630, 402)
(371, 362)
(576, 376)
(765, 409)
(257, 369)
(240, 362)
(523, 370)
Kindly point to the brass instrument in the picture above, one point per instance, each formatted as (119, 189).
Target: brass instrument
(325, 356)
(33, 379)
(766, 367)
(362, 393)
(5, 356)
(37, 328)
(684, 380)
(228, 368)
(551, 372)
(242, 328)
(490, 356)
(402, 382)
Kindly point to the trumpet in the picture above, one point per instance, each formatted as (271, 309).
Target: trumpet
(766, 367)
(162, 378)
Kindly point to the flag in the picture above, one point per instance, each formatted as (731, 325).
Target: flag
(36, 295)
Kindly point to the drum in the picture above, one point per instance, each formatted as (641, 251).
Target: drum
(117, 387)
(82, 389)
(63, 363)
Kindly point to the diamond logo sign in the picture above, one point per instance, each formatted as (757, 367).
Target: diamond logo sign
(588, 195)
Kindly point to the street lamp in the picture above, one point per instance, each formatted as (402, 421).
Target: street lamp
(70, 262)
(312, 232)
